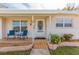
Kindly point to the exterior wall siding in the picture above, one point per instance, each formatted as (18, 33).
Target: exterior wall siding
(73, 30)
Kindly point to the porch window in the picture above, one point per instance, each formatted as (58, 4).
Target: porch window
(23, 25)
(40, 25)
(59, 23)
(67, 23)
(19, 25)
(16, 26)
(64, 22)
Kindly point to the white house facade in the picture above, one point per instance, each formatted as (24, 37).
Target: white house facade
(40, 23)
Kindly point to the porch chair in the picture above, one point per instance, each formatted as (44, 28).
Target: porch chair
(24, 34)
(11, 34)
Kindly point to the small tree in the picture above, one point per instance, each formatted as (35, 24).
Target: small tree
(69, 7)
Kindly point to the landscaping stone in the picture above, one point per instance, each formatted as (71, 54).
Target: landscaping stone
(76, 44)
(16, 48)
(53, 46)
(62, 44)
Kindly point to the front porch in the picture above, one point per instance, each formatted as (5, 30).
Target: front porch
(37, 26)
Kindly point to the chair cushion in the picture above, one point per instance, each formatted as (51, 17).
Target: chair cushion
(25, 33)
(11, 32)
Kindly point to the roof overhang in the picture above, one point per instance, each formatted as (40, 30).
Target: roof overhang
(5, 12)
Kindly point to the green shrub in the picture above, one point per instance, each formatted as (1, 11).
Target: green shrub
(67, 36)
(55, 39)
(62, 39)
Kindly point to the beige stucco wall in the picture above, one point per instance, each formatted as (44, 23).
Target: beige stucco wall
(0, 27)
(74, 30)
(8, 24)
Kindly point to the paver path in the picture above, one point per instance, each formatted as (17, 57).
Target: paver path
(40, 47)
(40, 43)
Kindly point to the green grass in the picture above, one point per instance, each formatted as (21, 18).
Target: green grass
(16, 53)
(65, 51)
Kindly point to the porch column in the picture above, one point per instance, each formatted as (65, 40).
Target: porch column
(1, 28)
(50, 25)
(33, 28)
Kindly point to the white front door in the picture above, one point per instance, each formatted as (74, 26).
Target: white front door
(40, 28)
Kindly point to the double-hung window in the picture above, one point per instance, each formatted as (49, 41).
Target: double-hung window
(64, 22)
(16, 26)
(59, 23)
(23, 25)
(67, 23)
(19, 25)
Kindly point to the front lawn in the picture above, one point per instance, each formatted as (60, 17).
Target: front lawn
(65, 51)
(16, 53)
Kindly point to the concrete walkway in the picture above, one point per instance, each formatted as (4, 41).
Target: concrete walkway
(40, 52)
(40, 47)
